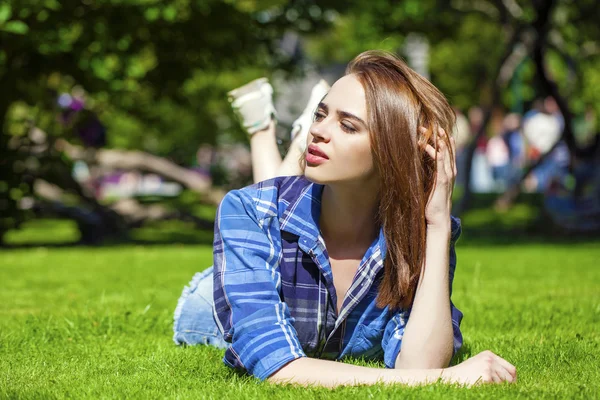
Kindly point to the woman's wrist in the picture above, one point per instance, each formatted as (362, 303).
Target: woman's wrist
(442, 226)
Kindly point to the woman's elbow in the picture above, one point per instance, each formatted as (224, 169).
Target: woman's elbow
(424, 360)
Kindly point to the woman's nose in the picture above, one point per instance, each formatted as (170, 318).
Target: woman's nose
(319, 130)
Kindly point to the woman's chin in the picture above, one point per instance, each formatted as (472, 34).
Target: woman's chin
(314, 176)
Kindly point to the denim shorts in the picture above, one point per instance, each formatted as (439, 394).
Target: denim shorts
(194, 321)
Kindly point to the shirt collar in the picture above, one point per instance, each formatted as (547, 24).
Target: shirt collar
(301, 217)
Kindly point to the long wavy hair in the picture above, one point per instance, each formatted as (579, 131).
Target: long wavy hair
(399, 102)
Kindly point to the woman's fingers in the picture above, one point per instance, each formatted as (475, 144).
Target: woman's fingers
(453, 144)
(442, 152)
(510, 369)
(446, 151)
(496, 376)
(431, 151)
(503, 374)
(501, 370)
(485, 367)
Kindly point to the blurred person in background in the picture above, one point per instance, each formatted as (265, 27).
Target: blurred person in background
(475, 115)
(498, 158)
(516, 147)
(573, 201)
(354, 258)
(543, 129)
(482, 180)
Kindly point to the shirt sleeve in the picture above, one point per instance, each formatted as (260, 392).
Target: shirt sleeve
(394, 330)
(392, 337)
(457, 315)
(248, 308)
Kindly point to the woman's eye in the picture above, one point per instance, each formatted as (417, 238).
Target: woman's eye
(318, 116)
(348, 128)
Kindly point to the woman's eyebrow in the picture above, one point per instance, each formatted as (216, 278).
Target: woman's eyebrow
(345, 114)
(342, 114)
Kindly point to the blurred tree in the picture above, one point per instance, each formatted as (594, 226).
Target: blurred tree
(154, 72)
(565, 52)
(477, 46)
(471, 46)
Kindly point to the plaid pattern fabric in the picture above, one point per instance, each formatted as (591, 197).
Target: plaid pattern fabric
(273, 286)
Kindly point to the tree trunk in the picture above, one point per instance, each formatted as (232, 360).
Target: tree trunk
(542, 27)
(7, 205)
(549, 85)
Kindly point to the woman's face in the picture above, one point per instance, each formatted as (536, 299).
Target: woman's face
(339, 147)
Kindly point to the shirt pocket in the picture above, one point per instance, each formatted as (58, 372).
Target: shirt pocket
(367, 342)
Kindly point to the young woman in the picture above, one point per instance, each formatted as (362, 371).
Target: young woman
(353, 259)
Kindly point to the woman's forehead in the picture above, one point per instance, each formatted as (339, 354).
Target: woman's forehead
(347, 94)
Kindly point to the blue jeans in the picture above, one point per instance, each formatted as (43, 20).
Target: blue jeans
(194, 321)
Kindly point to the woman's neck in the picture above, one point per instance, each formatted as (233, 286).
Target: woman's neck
(348, 219)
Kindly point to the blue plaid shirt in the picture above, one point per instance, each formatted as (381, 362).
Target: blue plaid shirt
(273, 287)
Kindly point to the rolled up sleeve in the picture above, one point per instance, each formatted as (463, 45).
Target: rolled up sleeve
(248, 308)
(392, 337)
(457, 315)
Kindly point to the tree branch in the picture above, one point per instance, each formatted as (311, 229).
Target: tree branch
(138, 160)
(542, 27)
(480, 7)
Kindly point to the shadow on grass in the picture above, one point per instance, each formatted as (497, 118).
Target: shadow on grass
(64, 233)
(462, 354)
(524, 223)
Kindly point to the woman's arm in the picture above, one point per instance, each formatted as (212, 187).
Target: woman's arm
(428, 336)
(248, 306)
(312, 371)
(485, 367)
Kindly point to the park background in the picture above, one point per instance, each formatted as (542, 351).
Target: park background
(118, 142)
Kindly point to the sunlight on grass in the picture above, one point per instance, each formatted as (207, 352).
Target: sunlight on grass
(96, 322)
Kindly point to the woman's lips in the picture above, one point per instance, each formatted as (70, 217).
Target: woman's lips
(315, 156)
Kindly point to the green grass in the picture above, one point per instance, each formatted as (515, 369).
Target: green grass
(46, 231)
(96, 322)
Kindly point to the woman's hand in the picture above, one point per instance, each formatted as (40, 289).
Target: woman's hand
(437, 211)
(485, 367)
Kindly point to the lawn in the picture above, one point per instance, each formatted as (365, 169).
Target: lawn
(96, 322)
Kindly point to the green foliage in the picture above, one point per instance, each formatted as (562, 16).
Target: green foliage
(155, 72)
(140, 58)
(76, 323)
(6, 25)
(456, 42)
(467, 40)
(466, 82)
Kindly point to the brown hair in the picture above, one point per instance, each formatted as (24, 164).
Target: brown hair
(399, 101)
